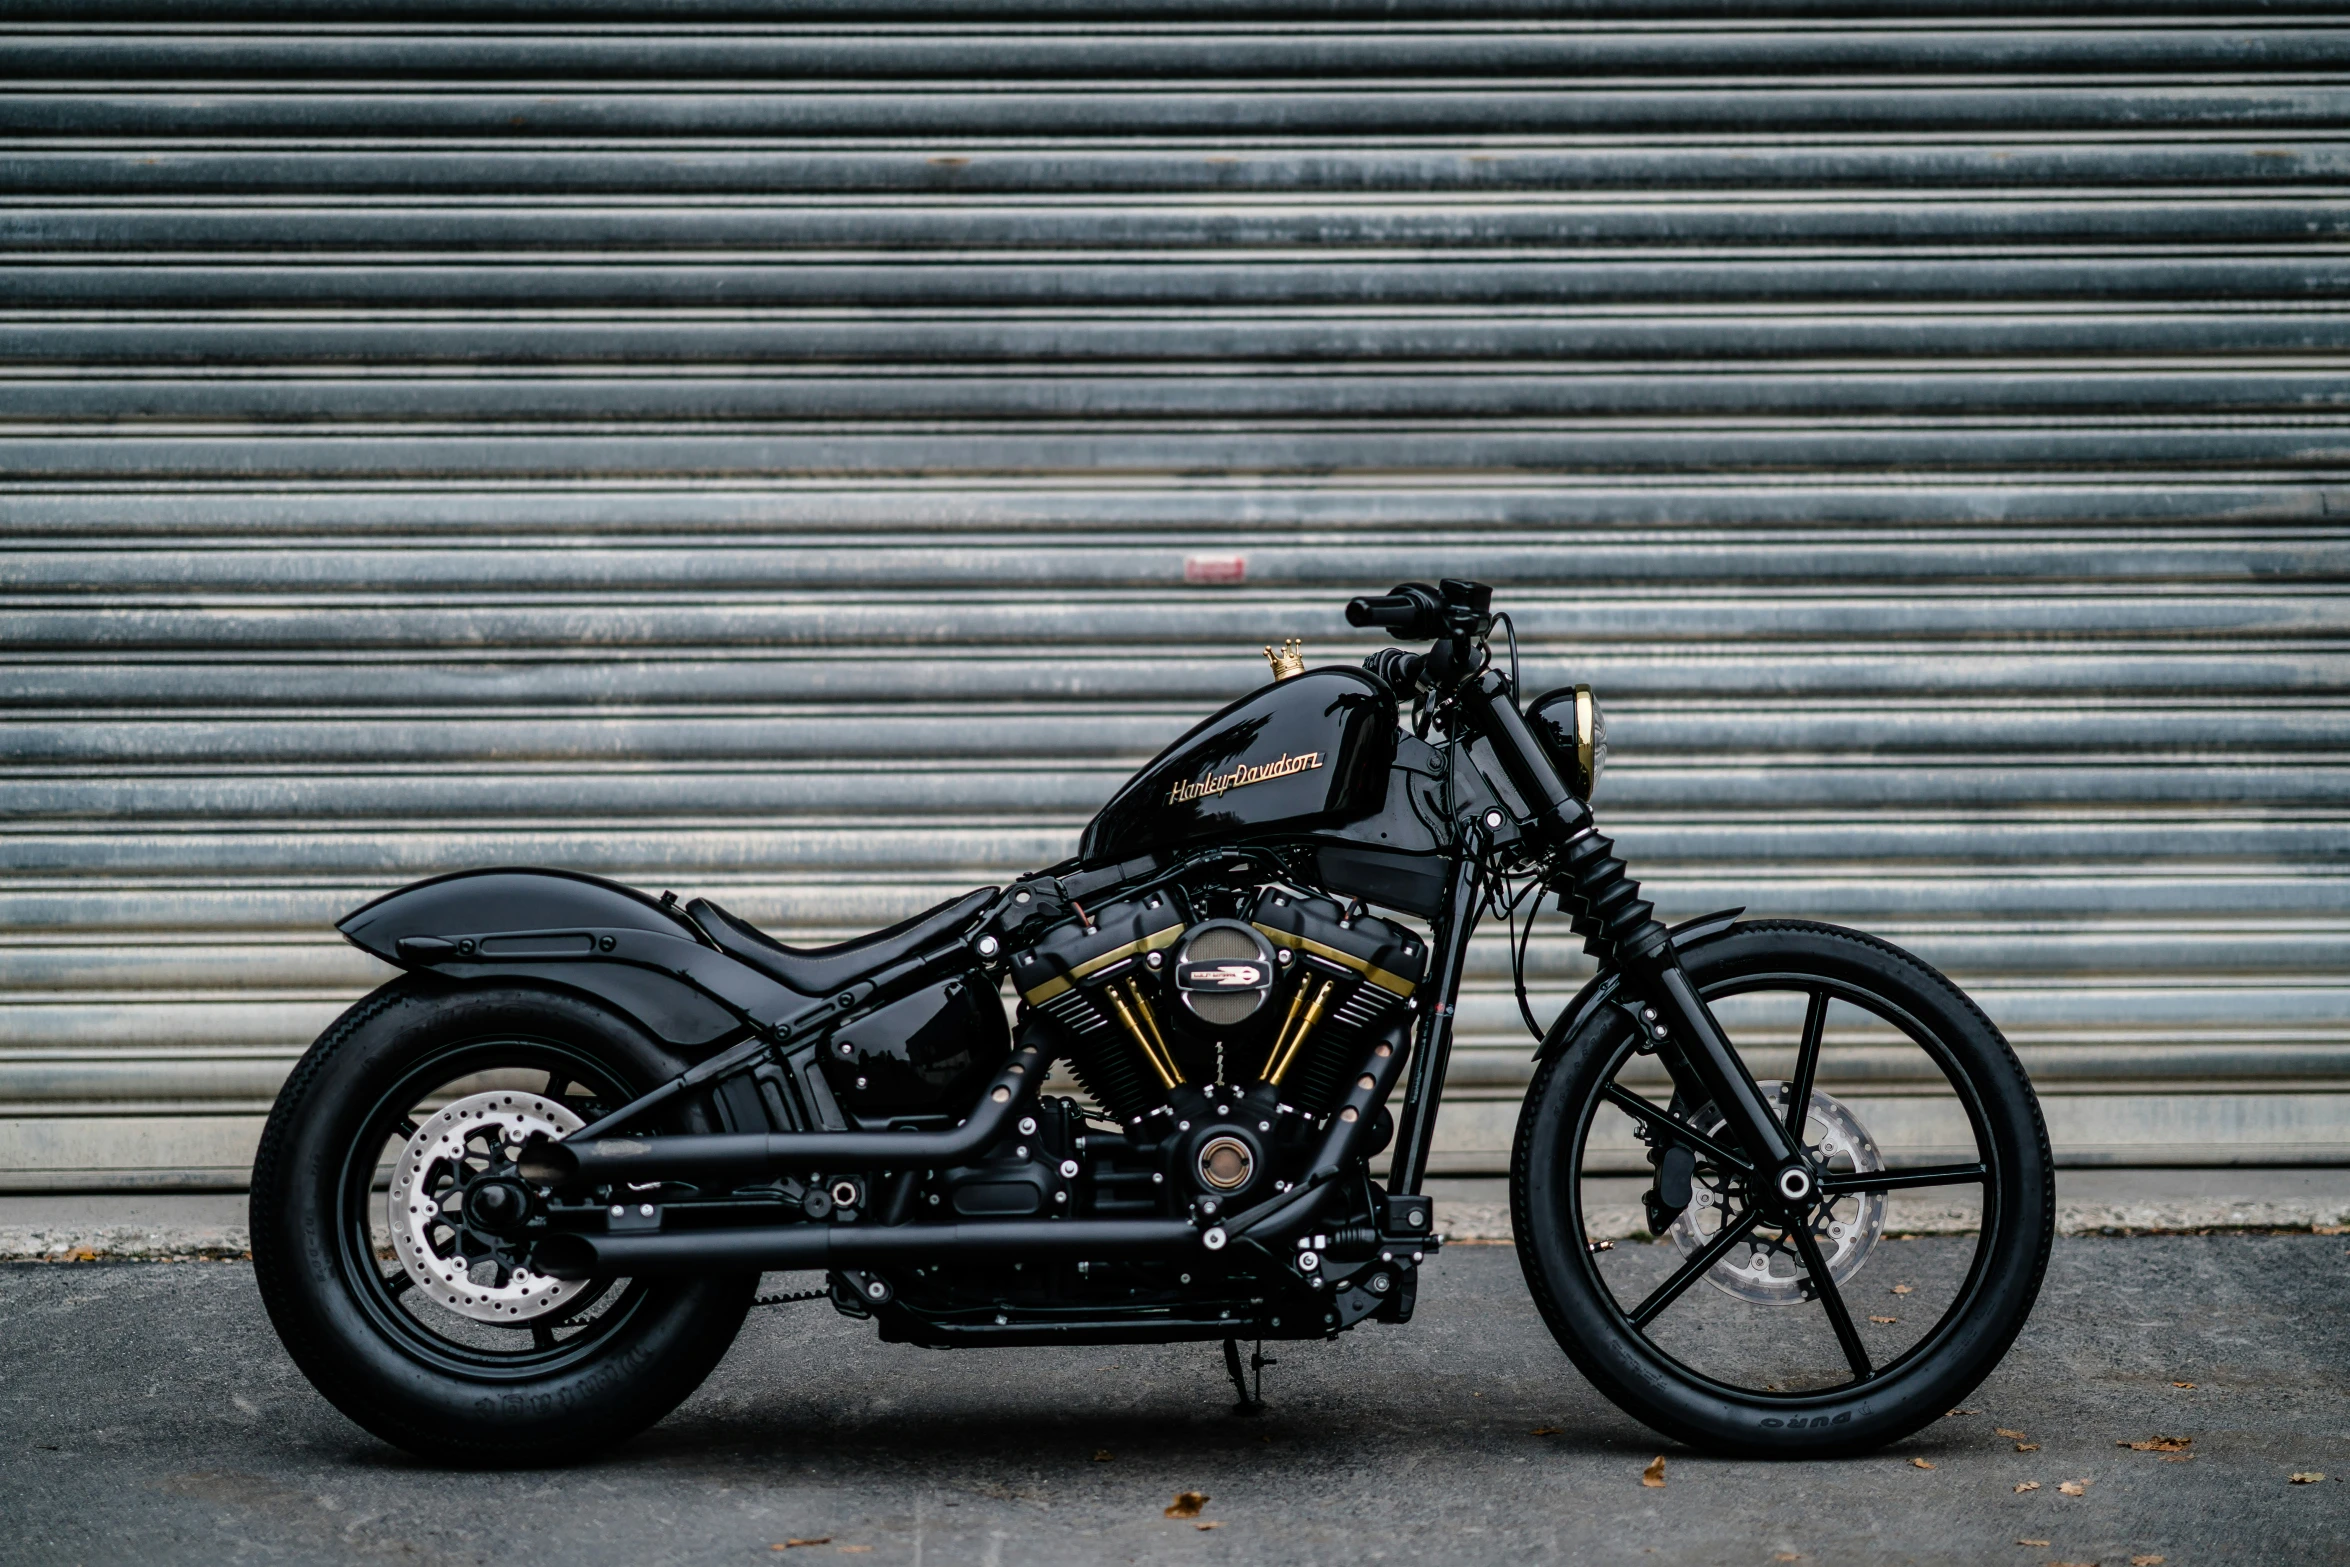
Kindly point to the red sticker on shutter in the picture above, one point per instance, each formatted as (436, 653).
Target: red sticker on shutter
(1215, 568)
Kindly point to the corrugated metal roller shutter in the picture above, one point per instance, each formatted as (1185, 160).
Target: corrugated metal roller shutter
(763, 456)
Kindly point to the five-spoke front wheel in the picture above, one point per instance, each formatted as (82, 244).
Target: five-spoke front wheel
(1838, 1318)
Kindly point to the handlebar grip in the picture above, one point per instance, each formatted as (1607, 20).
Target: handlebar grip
(1385, 609)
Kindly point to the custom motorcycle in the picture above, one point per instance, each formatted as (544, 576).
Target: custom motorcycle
(514, 1205)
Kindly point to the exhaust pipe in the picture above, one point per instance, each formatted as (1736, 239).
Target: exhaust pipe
(790, 1247)
(728, 1159)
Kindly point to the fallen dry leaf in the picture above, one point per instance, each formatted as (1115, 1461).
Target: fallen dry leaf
(1102, 1455)
(1545, 1431)
(1897, 1319)
(2013, 1436)
(822, 1539)
(2031, 1542)
(2027, 1447)
(1187, 1505)
(2189, 1386)
(1213, 1523)
(2159, 1444)
(2021, 1486)
(2145, 1561)
(2308, 1477)
(1654, 1475)
(1919, 1463)
(2074, 1487)
(2329, 1229)
(1902, 1289)
(1954, 1411)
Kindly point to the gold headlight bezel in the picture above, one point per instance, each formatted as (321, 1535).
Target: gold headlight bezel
(1590, 744)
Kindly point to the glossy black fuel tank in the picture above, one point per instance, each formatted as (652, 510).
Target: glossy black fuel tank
(1302, 753)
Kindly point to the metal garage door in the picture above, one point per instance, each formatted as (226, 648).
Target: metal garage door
(810, 461)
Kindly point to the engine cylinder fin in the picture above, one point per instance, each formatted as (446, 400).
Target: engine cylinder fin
(1362, 1010)
(1073, 1012)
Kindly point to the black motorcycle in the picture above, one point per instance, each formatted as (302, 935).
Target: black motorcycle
(514, 1205)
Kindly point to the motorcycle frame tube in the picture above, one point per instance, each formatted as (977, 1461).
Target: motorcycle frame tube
(1464, 893)
(787, 1247)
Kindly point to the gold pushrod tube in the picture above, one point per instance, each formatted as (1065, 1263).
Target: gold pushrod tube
(1150, 1020)
(1288, 1053)
(1166, 1074)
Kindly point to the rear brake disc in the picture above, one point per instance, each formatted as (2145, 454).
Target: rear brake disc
(455, 1265)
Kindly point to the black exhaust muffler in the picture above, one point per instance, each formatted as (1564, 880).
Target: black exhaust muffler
(788, 1247)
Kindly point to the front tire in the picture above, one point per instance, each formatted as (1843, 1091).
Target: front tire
(512, 1372)
(1774, 1371)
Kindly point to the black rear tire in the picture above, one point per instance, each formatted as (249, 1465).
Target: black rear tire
(1648, 1382)
(341, 1315)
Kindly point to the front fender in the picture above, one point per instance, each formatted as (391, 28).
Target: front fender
(1604, 984)
(597, 937)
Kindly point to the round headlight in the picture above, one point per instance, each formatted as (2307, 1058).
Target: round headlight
(1590, 743)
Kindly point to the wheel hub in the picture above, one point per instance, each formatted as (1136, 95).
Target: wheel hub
(1766, 1268)
(455, 1201)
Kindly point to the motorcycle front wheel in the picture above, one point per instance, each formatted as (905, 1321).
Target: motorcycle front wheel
(391, 1232)
(1682, 1301)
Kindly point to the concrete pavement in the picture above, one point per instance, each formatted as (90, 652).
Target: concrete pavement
(147, 1414)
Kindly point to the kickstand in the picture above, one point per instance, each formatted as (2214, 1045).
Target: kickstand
(1250, 1403)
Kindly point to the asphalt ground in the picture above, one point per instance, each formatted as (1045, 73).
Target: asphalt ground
(148, 1415)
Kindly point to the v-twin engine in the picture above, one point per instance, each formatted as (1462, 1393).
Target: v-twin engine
(1220, 1026)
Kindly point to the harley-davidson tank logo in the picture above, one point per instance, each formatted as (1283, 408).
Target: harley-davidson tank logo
(1223, 976)
(1242, 776)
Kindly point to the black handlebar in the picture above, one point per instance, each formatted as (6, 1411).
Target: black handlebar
(1412, 611)
(1387, 609)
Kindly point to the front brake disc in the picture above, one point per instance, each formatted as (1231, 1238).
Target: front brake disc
(1766, 1268)
(470, 1138)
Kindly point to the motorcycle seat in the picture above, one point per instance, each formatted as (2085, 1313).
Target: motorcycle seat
(819, 971)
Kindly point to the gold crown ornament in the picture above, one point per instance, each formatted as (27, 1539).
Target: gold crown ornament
(1289, 659)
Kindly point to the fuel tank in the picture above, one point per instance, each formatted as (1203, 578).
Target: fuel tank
(1301, 753)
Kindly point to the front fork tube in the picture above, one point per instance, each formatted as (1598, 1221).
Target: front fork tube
(1705, 1055)
(1415, 1130)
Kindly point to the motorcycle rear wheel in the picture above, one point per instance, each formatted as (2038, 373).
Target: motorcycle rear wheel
(1787, 1370)
(435, 1336)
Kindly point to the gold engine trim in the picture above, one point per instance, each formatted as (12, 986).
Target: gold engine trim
(1394, 984)
(1156, 941)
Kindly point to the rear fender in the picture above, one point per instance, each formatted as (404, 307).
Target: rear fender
(597, 937)
(1608, 982)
